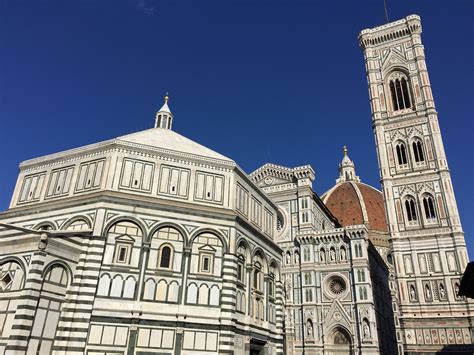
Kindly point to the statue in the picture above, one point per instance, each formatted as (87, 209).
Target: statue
(309, 328)
(366, 330)
(442, 292)
(427, 292)
(297, 258)
(343, 254)
(412, 293)
(332, 255)
(322, 257)
(288, 259)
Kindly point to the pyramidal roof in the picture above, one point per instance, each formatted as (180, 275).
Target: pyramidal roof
(159, 138)
(170, 140)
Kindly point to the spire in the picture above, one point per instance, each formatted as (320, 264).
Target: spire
(347, 169)
(164, 117)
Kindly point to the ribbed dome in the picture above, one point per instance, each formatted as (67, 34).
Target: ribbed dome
(353, 202)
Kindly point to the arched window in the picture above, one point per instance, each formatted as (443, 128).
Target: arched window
(410, 209)
(271, 287)
(166, 249)
(401, 154)
(428, 206)
(256, 277)
(123, 236)
(165, 257)
(399, 91)
(418, 151)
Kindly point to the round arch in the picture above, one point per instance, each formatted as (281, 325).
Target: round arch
(214, 232)
(243, 241)
(62, 263)
(131, 219)
(168, 224)
(71, 220)
(259, 250)
(14, 259)
(46, 224)
(340, 335)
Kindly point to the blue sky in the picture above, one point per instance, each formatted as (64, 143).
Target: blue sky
(256, 80)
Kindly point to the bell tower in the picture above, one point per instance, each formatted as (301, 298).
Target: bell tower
(429, 250)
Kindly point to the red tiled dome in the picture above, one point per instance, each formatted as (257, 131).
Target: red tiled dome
(353, 202)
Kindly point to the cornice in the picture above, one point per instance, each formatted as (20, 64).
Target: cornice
(120, 146)
(390, 31)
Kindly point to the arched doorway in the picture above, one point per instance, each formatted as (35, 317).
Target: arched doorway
(339, 342)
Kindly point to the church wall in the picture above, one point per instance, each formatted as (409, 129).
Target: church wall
(327, 308)
(183, 299)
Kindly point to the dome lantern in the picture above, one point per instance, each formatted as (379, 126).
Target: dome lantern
(347, 169)
(164, 117)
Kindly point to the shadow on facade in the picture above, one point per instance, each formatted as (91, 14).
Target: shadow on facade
(457, 349)
(382, 303)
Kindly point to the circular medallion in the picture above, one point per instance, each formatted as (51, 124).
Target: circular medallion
(268, 180)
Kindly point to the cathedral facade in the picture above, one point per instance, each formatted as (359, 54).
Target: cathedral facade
(151, 243)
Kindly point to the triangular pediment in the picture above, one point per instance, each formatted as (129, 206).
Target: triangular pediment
(394, 58)
(337, 315)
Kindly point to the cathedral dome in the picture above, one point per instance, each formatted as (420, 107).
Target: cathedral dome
(353, 202)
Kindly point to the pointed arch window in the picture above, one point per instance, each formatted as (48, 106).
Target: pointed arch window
(410, 208)
(399, 91)
(428, 206)
(418, 151)
(401, 154)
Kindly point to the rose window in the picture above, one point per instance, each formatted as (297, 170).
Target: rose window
(337, 286)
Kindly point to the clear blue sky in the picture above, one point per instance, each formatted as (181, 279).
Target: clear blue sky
(256, 80)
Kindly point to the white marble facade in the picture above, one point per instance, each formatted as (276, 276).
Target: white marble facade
(147, 243)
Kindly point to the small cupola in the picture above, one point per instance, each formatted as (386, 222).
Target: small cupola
(347, 169)
(164, 117)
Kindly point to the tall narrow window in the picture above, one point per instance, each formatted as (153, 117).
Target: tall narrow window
(398, 88)
(122, 253)
(406, 95)
(240, 272)
(401, 154)
(394, 96)
(410, 210)
(256, 276)
(429, 207)
(206, 263)
(165, 258)
(418, 152)
(306, 254)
